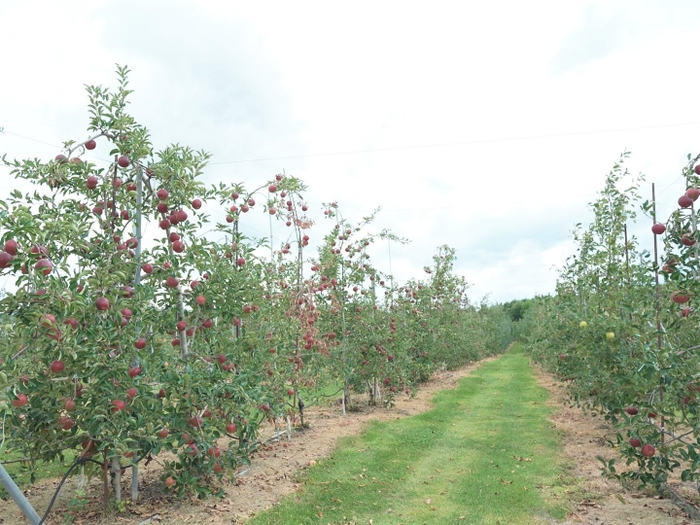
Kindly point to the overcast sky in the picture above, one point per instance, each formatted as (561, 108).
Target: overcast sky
(487, 126)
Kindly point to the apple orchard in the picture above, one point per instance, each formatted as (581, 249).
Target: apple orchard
(622, 329)
(119, 348)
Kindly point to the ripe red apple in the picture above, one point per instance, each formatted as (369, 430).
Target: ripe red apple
(218, 468)
(181, 215)
(48, 321)
(72, 322)
(134, 371)
(123, 161)
(126, 312)
(272, 188)
(697, 169)
(658, 228)
(231, 428)
(175, 341)
(214, 452)
(162, 194)
(140, 343)
(693, 193)
(20, 401)
(221, 359)
(178, 246)
(69, 405)
(240, 261)
(195, 421)
(62, 159)
(201, 300)
(648, 450)
(172, 282)
(90, 144)
(102, 303)
(65, 422)
(181, 326)
(685, 312)
(132, 392)
(196, 204)
(687, 239)
(147, 268)
(290, 392)
(116, 183)
(169, 482)
(164, 224)
(207, 323)
(11, 246)
(632, 411)
(162, 433)
(684, 201)
(57, 367)
(680, 297)
(44, 266)
(265, 407)
(272, 211)
(118, 405)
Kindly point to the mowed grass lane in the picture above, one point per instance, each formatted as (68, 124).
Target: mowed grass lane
(485, 454)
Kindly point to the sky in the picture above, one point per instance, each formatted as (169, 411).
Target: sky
(485, 126)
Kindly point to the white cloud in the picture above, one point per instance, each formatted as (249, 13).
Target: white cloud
(279, 79)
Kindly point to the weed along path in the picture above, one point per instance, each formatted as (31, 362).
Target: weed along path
(486, 453)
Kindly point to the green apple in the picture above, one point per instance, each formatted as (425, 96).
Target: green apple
(610, 336)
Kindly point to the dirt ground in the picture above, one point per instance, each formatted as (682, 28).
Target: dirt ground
(274, 471)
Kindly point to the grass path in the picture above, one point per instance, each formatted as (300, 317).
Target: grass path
(485, 454)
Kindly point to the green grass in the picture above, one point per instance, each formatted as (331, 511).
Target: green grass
(20, 472)
(485, 454)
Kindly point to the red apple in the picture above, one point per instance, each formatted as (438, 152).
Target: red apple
(11, 246)
(48, 321)
(632, 411)
(132, 392)
(169, 482)
(684, 201)
(134, 371)
(272, 188)
(147, 268)
(648, 450)
(118, 405)
(178, 246)
(69, 405)
(207, 323)
(240, 261)
(658, 228)
(65, 422)
(201, 300)
(123, 161)
(680, 297)
(231, 428)
(20, 401)
(162, 194)
(57, 367)
(72, 322)
(44, 266)
(181, 326)
(172, 282)
(687, 239)
(196, 204)
(140, 343)
(693, 193)
(90, 144)
(126, 312)
(102, 303)
(164, 224)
